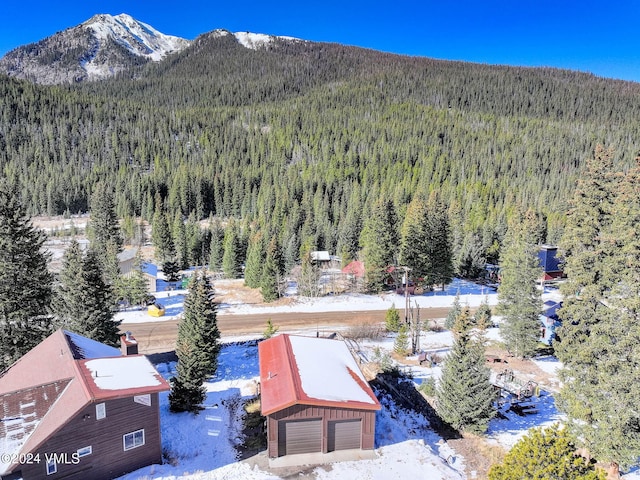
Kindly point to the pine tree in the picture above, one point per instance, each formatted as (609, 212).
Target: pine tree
(231, 258)
(482, 315)
(417, 249)
(104, 232)
(83, 302)
(255, 261)
(271, 273)
(545, 453)
(439, 242)
(392, 319)
(379, 240)
(519, 299)
(464, 393)
(216, 247)
(600, 320)
(454, 312)
(471, 258)
(25, 282)
(161, 236)
(401, 342)
(197, 347)
(179, 237)
(270, 330)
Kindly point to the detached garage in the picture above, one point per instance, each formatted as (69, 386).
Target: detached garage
(315, 397)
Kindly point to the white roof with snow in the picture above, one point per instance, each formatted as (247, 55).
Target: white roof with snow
(336, 359)
(122, 373)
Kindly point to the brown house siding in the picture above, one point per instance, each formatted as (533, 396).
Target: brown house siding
(299, 412)
(108, 458)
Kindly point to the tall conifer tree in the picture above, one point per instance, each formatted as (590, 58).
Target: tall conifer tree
(25, 282)
(84, 302)
(197, 347)
(379, 240)
(519, 298)
(464, 393)
(600, 320)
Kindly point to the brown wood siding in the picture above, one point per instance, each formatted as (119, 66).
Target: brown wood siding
(300, 412)
(108, 458)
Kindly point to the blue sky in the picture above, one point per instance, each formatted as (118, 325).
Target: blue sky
(591, 36)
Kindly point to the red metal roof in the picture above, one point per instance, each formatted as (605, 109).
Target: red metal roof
(48, 386)
(355, 268)
(281, 385)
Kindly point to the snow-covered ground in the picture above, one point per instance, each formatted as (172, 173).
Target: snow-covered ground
(203, 446)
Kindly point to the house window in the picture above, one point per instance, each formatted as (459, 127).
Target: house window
(52, 467)
(101, 411)
(133, 439)
(84, 451)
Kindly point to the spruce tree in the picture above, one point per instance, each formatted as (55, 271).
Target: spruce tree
(216, 247)
(392, 319)
(482, 315)
(197, 347)
(231, 258)
(545, 453)
(271, 272)
(84, 302)
(454, 312)
(255, 261)
(104, 231)
(25, 282)
(464, 392)
(519, 298)
(270, 330)
(413, 247)
(401, 344)
(439, 242)
(161, 236)
(179, 237)
(379, 241)
(600, 321)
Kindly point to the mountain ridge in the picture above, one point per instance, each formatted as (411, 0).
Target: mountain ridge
(102, 47)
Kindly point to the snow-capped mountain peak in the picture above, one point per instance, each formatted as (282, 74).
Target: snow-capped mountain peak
(137, 37)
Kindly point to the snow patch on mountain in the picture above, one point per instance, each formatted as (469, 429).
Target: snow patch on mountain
(258, 40)
(137, 37)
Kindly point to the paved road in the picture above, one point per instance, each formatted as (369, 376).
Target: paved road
(160, 336)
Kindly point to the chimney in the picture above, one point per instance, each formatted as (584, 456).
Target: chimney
(128, 344)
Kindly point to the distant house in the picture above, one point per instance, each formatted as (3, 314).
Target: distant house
(75, 408)
(550, 263)
(355, 269)
(315, 398)
(549, 321)
(324, 260)
(156, 279)
(127, 260)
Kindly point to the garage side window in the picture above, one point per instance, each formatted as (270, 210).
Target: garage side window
(133, 439)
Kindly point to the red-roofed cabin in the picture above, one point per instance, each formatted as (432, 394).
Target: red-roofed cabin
(75, 408)
(315, 397)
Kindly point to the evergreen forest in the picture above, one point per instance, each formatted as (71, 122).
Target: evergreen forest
(301, 140)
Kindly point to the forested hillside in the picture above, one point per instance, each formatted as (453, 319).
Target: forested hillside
(303, 138)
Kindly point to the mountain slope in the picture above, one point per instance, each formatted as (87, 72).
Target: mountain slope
(101, 47)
